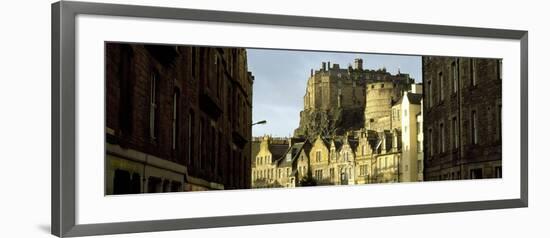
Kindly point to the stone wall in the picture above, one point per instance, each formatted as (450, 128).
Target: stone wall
(462, 123)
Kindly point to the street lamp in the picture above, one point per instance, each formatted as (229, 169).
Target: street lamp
(259, 122)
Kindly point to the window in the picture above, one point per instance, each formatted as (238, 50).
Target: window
(154, 185)
(201, 142)
(287, 172)
(175, 130)
(405, 112)
(190, 137)
(441, 87)
(473, 130)
(331, 173)
(476, 173)
(213, 155)
(454, 70)
(498, 172)
(431, 141)
(219, 75)
(318, 156)
(472, 72)
(430, 96)
(193, 63)
(319, 174)
(499, 122)
(454, 132)
(122, 182)
(153, 106)
(441, 138)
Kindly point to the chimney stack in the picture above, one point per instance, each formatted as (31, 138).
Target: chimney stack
(358, 64)
(324, 66)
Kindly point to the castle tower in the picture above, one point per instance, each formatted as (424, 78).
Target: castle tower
(379, 100)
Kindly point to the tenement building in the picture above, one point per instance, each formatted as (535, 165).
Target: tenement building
(177, 118)
(462, 122)
(279, 162)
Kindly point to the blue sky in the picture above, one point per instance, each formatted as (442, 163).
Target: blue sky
(280, 78)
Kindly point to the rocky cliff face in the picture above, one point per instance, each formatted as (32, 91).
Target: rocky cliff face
(329, 123)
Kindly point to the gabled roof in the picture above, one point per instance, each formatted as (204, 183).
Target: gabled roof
(414, 98)
(337, 144)
(294, 152)
(277, 150)
(353, 144)
(324, 141)
(255, 148)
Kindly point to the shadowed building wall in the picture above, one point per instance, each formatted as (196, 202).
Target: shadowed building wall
(177, 118)
(462, 122)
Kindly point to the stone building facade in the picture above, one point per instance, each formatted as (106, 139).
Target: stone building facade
(462, 122)
(264, 164)
(177, 118)
(279, 162)
(335, 98)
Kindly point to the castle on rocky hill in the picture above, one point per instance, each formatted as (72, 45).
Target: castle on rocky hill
(336, 99)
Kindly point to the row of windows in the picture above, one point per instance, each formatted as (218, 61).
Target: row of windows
(383, 163)
(207, 134)
(153, 123)
(319, 174)
(477, 173)
(263, 160)
(124, 183)
(473, 130)
(270, 173)
(454, 77)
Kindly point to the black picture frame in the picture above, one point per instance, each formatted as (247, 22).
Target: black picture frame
(64, 107)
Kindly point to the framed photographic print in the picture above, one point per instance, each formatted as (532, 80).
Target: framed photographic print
(157, 111)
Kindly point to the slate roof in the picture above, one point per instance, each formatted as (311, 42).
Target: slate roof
(277, 150)
(337, 144)
(414, 98)
(353, 144)
(295, 150)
